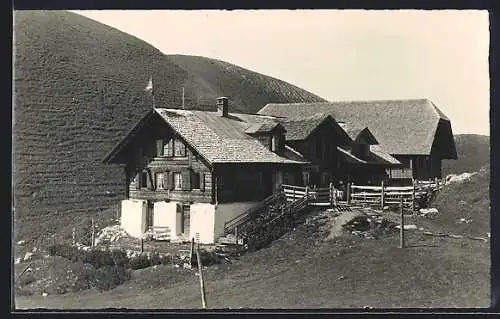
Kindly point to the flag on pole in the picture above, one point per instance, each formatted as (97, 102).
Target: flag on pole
(149, 88)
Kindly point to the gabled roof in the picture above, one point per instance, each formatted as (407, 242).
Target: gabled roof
(220, 139)
(256, 128)
(375, 157)
(359, 134)
(299, 128)
(217, 139)
(400, 126)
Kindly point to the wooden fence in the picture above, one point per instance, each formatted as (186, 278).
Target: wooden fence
(365, 195)
(317, 196)
(391, 195)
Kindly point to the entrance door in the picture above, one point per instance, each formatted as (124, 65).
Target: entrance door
(149, 214)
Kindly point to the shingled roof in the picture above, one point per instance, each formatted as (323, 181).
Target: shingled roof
(300, 127)
(402, 127)
(375, 157)
(220, 139)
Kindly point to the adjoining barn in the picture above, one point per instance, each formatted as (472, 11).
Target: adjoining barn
(413, 131)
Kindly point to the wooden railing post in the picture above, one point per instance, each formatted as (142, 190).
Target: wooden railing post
(348, 193)
(330, 194)
(382, 197)
(402, 226)
(413, 196)
(307, 191)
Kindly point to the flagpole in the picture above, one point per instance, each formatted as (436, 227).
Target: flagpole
(153, 92)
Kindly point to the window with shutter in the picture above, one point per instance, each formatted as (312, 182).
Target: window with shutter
(159, 177)
(177, 181)
(179, 149)
(168, 149)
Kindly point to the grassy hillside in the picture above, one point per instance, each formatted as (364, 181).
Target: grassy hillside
(473, 153)
(79, 86)
(253, 90)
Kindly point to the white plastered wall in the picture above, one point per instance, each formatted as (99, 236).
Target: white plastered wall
(133, 217)
(165, 214)
(202, 218)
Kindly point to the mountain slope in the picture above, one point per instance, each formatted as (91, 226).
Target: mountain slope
(473, 153)
(253, 90)
(79, 87)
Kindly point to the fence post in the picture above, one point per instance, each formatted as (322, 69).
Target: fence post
(73, 237)
(413, 197)
(202, 284)
(382, 197)
(92, 243)
(348, 191)
(437, 182)
(142, 244)
(191, 252)
(401, 227)
(293, 195)
(307, 191)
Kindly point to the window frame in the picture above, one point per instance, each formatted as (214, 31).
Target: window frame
(157, 175)
(177, 177)
(175, 144)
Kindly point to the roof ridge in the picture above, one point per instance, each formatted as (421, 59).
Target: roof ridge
(350, 101)
(437, 110)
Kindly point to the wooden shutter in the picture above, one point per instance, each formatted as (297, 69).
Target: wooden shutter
(171, 179)
(149, 180)
(159, 148)
(186, 180)
(138, 180)
(166, 180)
(202, 181)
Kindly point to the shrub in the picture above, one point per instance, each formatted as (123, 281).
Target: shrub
(109, 277)
(139, 262)
(207, 258)
(65, 251)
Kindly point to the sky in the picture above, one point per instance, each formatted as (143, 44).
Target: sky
(339, 54)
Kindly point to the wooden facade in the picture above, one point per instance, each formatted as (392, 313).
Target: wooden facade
(419, 167)
(320, 149)
(160, 165)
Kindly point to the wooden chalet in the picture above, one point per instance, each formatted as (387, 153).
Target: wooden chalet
(414, 132)
(217, 158)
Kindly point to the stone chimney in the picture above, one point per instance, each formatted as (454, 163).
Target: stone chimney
(222, 106)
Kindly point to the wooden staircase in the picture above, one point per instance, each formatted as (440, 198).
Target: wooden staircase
(264, 222)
